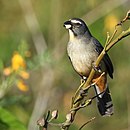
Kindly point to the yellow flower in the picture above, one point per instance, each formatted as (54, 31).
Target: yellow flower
(7, 71)
(22, 86)
(18, 61)
(110, 22)
(24, 74)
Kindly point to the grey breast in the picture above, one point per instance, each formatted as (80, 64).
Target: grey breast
(82, 55)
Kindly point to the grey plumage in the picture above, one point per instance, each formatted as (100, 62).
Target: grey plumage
(81, 55)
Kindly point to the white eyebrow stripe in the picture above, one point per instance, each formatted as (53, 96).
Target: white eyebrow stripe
(75, 21)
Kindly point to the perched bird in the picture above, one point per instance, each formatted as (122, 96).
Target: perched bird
(83, 50)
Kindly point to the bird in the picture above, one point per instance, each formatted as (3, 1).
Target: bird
(83, 50)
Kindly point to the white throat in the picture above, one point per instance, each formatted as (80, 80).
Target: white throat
(71, 35)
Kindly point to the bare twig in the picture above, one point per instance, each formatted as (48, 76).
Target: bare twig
(88, 102)
(87, 123)
(110, 39)
(127, 17)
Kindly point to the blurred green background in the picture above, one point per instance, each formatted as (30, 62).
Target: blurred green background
(37, 27)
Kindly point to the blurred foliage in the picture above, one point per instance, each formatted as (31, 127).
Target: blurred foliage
(24, 85)
(9, 122)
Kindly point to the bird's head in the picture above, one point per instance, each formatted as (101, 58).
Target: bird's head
(76, 27)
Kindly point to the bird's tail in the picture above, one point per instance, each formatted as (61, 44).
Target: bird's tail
(104, 101)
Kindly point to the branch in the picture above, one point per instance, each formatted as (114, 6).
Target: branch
(78, 101)
(87, 84)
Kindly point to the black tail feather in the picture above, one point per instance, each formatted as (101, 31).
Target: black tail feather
(104, 102)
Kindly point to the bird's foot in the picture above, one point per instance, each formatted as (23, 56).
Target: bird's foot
(96, 68)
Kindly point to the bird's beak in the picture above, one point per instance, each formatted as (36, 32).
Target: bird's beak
(67, 25)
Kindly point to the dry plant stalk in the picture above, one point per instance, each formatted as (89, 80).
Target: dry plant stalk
(81, 93)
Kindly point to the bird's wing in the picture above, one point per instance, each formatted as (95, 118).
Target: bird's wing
(106, 58)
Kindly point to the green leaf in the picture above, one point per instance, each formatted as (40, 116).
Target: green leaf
(9, 121)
